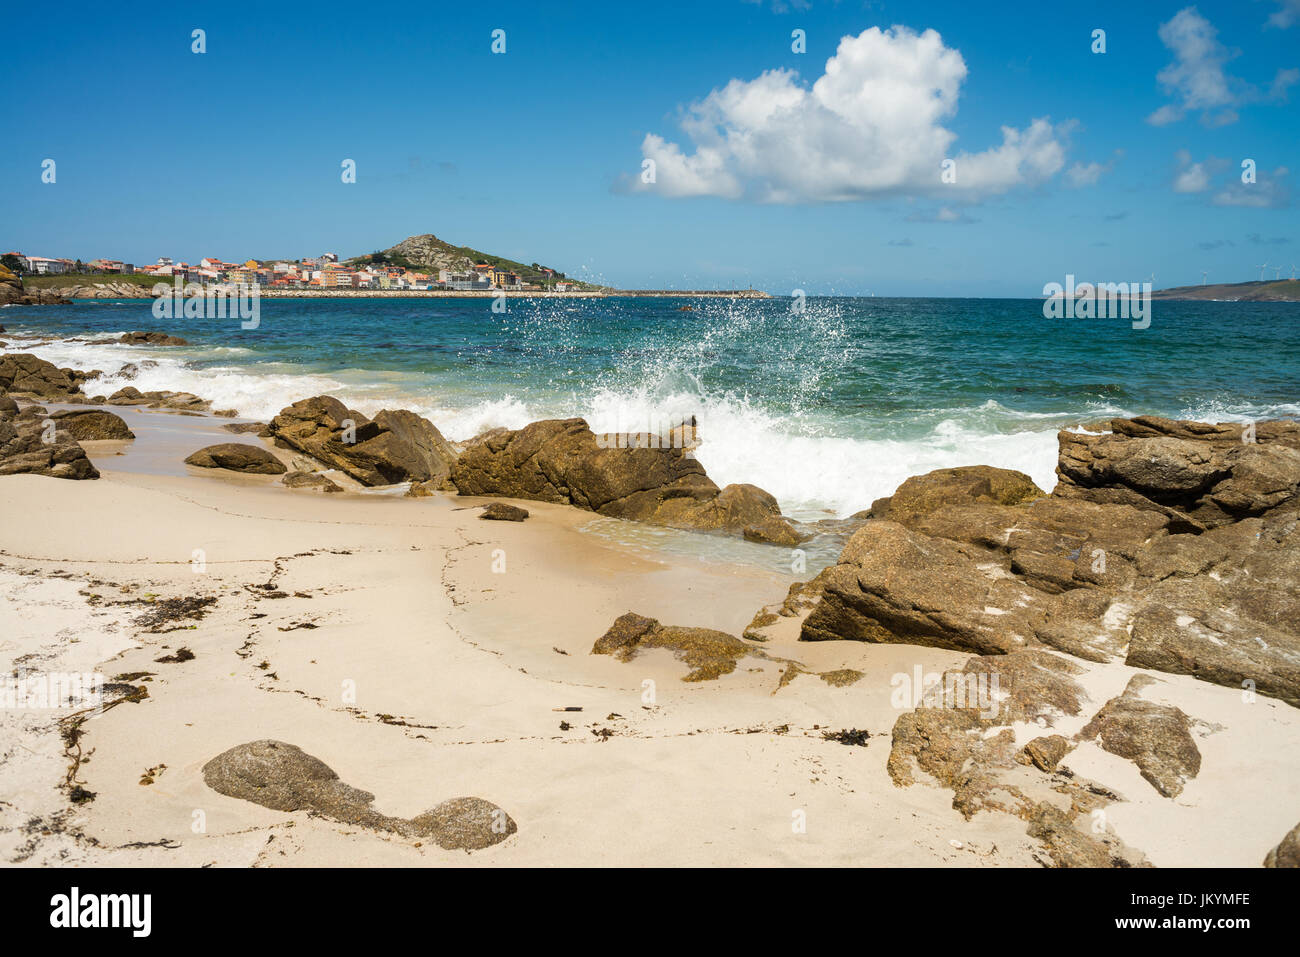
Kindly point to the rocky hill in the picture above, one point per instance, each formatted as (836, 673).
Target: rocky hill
(429, 253)
(1285, 290)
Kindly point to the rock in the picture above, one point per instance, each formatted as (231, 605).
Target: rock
(7, 405)
(23, 372)
(709, 653)
(237, 457)
(898, 586)
(1156, 737)
(501, 512)
(1045, 752)
(1066, 844)
(639, 477)
(774, 530)
(151, 339)
(241, 428)
(465, 824)
(92, 424)
(23, 448)
(310, 480)
(1287, 853)
(395, 447)
(283, 777)
(969, 485)
(1204, 472)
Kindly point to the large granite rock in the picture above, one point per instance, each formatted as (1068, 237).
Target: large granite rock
(237, 457)
(92, 424)
(397, 446)
(26, 373)
(968, 485)
(622, 476)
(28, 445)
(1287, 852)
(1169, 582)
(1212, 474)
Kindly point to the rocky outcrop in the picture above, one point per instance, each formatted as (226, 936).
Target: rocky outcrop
(1166, 579)
(237, 457)
(632, 477)
(150, 339)
(29, 374)
(92, 424)
(13, 293)
(283, 777)
(177, 401)
(1211, 474)
(970, 485)
(1156, 737)
(28, 444)
(394, 447)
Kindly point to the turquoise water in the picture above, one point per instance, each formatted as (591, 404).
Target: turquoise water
(828, 409)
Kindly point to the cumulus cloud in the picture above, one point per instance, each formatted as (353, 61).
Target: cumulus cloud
(1197, 79)
(871, 125)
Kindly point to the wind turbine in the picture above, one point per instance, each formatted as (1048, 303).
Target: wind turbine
(1203, 275)
(1293, 272)
(1262, 267)
(1277, 272)
(1152, 280)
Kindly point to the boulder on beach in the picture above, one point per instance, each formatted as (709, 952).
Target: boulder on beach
(501, 512)
(26, 373)
(37, 446)
(283, 777)
(237, 457)
(92, 424)
(1156, 737)
(150, 339)
(631, 476)
(968, 485)
(1287, 852)
(395, 446)
(310, 480)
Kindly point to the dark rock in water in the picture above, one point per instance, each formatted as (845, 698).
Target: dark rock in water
(1287, 853)
(237, 457)
(969, 485)
(92, 425)
(709, 653)
(1156, 737)
(501, 512)
(465, 824)
(240, 428)
(394, 447)
(23, 372)
(1212, 474)
(283, 777)
(28, 445)
(310, 480)
(151, 339)
(639, 477)
(775, 530)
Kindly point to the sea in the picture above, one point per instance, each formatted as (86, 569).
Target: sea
(828, 403)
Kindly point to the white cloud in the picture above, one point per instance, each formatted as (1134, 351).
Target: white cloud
(1286, 14)
(1190, 177)
(1268, 192)
(1196, 78)
(870, 126)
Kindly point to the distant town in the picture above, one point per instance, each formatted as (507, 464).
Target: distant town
(322, 272)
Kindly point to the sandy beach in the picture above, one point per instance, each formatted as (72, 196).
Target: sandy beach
(424, 654)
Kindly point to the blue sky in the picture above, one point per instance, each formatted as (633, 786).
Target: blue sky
(1118, 165)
